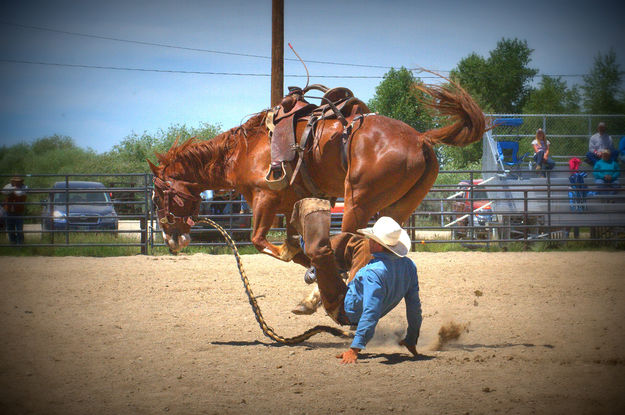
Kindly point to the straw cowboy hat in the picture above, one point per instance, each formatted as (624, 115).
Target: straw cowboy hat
(389, 234)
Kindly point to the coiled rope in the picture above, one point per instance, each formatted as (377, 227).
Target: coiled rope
(267, 330)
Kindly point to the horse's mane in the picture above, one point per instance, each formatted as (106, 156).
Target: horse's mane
(195, 154)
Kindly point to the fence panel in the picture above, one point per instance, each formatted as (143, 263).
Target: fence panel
(80, 211)
(471, 208)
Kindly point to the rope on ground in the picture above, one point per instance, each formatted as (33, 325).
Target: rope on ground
(267, 330)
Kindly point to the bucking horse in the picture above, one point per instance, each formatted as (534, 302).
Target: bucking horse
(381, 165)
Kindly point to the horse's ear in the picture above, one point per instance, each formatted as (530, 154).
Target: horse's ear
(152, 167)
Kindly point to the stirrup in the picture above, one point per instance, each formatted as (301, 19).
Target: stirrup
(282, 181)
(311, 275)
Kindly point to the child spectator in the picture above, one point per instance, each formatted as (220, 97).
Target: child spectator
(606, 172)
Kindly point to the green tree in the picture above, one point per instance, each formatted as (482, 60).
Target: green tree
(129, 156)
(472, 73)
(553, 97)
(396, 97)
(500, 83)
(603, 91)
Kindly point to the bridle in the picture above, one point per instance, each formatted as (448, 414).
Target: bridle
(177, 197)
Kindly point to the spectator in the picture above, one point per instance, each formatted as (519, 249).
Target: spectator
(599, 142)
(577, 189)
(541, 151)
(14, 205)
(606, 172)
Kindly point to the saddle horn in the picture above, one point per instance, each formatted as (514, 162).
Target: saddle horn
(318, 87)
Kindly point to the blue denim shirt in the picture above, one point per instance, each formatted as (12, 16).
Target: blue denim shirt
(376, 289)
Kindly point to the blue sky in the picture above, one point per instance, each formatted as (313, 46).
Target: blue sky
(98, 107)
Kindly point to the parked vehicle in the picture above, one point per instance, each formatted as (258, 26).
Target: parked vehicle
(463, 206)
(336, 215)
(78, 205)
(229, 210)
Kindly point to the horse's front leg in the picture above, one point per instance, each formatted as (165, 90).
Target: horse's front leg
(292, 239)
(265, 209)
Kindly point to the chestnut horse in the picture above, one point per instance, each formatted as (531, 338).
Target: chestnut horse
(390, 169)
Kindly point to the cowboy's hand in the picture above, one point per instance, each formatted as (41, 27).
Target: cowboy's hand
(608, 178)
(412, 349)
(350, 356)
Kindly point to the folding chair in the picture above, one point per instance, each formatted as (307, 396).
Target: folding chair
(513, 148)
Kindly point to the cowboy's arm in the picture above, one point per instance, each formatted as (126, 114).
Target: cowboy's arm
(373, 293)
(413, 315)
(371, 312)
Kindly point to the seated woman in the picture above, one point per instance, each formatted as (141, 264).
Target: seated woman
(606, 172)
(541, 151)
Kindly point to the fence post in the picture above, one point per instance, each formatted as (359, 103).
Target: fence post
(548, 204)
(66, 210)
(525, 219)
(471, 222)
(143, 222)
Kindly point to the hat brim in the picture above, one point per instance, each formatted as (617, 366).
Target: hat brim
(400, 249)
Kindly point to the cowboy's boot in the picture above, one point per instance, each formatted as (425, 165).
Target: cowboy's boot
(311, 217)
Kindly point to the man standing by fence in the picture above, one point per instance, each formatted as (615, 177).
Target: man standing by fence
(14, 205)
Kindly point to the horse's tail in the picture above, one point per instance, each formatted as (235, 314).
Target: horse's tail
(468, 122)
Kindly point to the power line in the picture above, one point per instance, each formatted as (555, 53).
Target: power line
(138, 42)
(164, 45)
(119, 68)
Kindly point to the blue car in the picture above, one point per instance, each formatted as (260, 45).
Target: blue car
(78, 205)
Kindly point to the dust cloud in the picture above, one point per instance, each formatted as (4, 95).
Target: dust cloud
(448, 332)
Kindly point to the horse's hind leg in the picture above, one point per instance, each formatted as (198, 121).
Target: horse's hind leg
(405, 206)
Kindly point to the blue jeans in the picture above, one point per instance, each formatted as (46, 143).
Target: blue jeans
(15, 229)
(603, 184)
(539, 159)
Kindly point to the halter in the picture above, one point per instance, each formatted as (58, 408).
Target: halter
(179, 198)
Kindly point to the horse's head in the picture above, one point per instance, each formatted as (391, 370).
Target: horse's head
(176, 202)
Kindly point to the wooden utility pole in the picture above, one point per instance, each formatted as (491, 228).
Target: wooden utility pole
(277, 51)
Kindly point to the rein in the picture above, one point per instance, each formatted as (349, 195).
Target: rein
(267, 330)
(170, 195)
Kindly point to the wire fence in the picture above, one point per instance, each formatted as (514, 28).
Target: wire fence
(116, 211)
(568, 134)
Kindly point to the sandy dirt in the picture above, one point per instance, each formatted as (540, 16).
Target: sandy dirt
(151, 335)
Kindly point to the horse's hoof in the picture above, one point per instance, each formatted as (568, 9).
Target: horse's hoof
(303, 309)
(287, 252)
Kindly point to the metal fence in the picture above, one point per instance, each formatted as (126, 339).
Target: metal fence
(471, 208)
(78, 210)
(541, 207)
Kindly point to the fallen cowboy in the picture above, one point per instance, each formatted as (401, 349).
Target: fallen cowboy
(380, 274)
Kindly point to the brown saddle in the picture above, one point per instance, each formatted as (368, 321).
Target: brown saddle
(336, 103)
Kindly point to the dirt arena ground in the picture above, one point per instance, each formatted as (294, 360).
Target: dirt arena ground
(151, 335)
